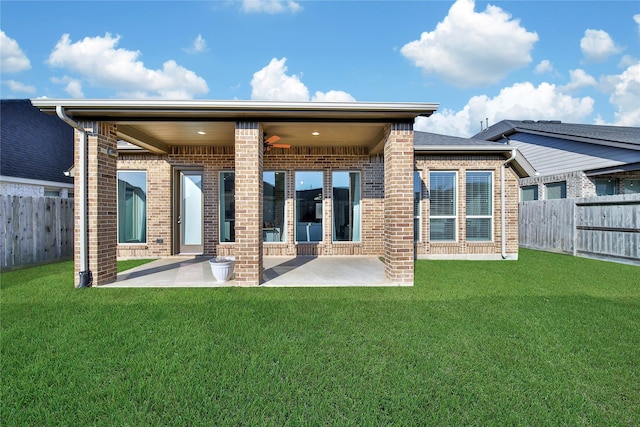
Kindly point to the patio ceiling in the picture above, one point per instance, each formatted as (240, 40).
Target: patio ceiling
(157, 125)
(159, 136)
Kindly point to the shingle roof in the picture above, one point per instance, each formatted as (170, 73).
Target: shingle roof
(34, 145)
(596, 133)
(424, 139)
(553, 147)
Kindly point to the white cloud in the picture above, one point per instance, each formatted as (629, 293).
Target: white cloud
(624, 93)
(16, 86)
(199, 45)
(579, 79)
(272, 83)
(637, 19)
(73, 87)
(12, 58)
(522, 101)
(270, 6)
(101, 64)
(627, 61)
(333, 96)
(597, 45)
(463, 48)
(544, 66)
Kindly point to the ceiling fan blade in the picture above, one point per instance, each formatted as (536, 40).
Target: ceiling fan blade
(272, 139)
(280, 145)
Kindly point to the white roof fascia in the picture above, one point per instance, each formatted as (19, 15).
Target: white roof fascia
(39, 182)
(101, 106)
(463, 148)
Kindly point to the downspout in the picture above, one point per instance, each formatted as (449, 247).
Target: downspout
(86, 277)
(514, 151)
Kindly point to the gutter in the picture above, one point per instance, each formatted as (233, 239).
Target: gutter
(86, 277)
(514, 153)
(459, 148)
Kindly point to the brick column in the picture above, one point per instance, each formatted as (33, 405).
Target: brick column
(398, 204)
(102, 204)
(248, 200)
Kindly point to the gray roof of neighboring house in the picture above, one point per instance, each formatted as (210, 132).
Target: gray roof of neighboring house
(436, 143)
(603, 134)
(553, 147)
(425, 139)
(34, 145)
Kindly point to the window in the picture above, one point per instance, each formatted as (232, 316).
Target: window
(227, 207)
(479, 206)
(51, 193)
(309, 197)
(274, 193)
(346, 206)
(557, 190)
(529, 192)
(606, 187)
(631, 186)
(442, 202)
(417, 206)
(132, 207)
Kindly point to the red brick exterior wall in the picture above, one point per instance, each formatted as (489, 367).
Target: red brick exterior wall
(101, 206)
(248, 203)
(398, 204)
(461, 163)
(386, 201)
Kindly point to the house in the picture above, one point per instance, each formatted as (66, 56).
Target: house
(36, 151)
(572, 160)
(263, 178)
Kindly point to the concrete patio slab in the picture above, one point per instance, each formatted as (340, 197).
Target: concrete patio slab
(278, 272)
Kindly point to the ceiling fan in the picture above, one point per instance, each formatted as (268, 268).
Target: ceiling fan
(271, 142)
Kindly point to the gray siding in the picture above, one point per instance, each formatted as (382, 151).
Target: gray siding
(554, 156)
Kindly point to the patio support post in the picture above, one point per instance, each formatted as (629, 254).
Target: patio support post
(248, 203)
(102, 203)
(398, 204)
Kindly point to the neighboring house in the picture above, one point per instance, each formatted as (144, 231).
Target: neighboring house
(37, 149)
(572, 160)
(345, 178)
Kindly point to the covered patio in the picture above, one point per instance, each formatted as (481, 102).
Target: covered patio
(280, 271)
(163, 178)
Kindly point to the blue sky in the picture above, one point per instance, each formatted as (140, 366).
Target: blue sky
(576, 61)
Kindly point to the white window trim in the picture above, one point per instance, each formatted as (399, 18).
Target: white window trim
(455, 207)
(286, 203)
(493, 207)
(146, 218)
(343, 242)
(418, 174)
(220, 207)
(295, 206)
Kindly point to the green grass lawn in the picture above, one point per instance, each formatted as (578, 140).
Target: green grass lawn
(547, 340)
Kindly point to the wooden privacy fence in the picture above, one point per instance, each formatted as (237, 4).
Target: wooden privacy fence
(35, 230)
(605, 227)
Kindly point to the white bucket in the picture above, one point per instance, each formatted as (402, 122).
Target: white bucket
(222, 268)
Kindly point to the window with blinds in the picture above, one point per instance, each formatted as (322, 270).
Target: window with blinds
(442, 206)
(479, 189)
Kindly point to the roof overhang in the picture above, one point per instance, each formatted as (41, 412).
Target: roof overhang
(280, 111)
(629, 167)
(520, 164)
(568, 137)
(157, 125)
